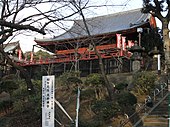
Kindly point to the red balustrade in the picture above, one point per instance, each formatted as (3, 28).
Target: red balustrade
(106, 52)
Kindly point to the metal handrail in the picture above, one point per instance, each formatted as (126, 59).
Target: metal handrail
(146, 114)
(127, 120)
(142, 107)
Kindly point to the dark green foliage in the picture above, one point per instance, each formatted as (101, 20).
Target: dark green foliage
(4, 121)
(8, 86)
(8, 83)
(21, 92)
(24, 102)
(5, 105)
(38, 54)
(94, 80)
(144, 82)
(26, 108)
(105, 109)
(62, 80)
(38, 85)
(36, 99)
(87, 94)
(74, 80)
(151, 40)
(121, 86)
(126, 99)
(35, 104)
(42, 54)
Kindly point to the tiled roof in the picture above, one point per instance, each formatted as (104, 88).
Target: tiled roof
(103, 24)
(11, 46)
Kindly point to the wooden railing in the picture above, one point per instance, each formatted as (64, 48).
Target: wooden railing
(106, 52)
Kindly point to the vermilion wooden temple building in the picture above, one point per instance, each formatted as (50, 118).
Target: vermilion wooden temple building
(112, 35)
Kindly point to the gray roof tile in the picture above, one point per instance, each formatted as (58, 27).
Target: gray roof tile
(104, 24)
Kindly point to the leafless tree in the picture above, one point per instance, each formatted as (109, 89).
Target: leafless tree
(36, 16)
(109, 87)
(161, 10)
(26, 15)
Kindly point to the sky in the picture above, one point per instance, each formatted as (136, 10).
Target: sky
(27, 42)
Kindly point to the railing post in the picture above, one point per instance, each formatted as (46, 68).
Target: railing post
(162, 90)
(137, 106)
(145, 105)
(154, 93)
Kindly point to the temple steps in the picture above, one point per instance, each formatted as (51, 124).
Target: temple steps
(159, 116)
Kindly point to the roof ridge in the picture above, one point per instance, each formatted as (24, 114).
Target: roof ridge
(103, 24)
(111, 14)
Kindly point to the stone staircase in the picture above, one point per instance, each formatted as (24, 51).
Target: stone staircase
(158, 116)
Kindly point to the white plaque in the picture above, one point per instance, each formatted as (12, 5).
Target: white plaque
(48, 101)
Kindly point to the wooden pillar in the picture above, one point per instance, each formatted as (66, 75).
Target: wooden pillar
(64, 67)
(19, 54)
(91, 65)
(110, 66)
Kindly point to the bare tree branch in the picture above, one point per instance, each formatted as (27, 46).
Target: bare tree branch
(108, 86)
(20, 27)
(168, 9)
(156, 8)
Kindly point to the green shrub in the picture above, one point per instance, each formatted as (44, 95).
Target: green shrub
(121, 86)
(144, 82)
(62, 80)
(18, 106)
(126, 99)
(8, 83)
(87, 94)
(35, 102)
(5, 105)
(73, 80)
(20, 93)
(24, 102)
(105, 109)
(94, 80)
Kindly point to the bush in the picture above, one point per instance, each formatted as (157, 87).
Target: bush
(87, 94)
(105, 109)
(94, 80)
(18, 106)
(121, 86)
(35, 102)
(73, 82)
(8, 83)
(23, 101)
(21, 93)
(144, 82)
(126, 99)
(5, 105)
(62, 80)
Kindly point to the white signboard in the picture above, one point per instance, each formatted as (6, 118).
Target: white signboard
(48, 101)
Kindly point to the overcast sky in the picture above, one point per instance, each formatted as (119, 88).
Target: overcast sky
(27, 42)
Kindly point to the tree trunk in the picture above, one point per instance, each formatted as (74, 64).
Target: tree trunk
(109, 87)
(23, 71)
(166, 44)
